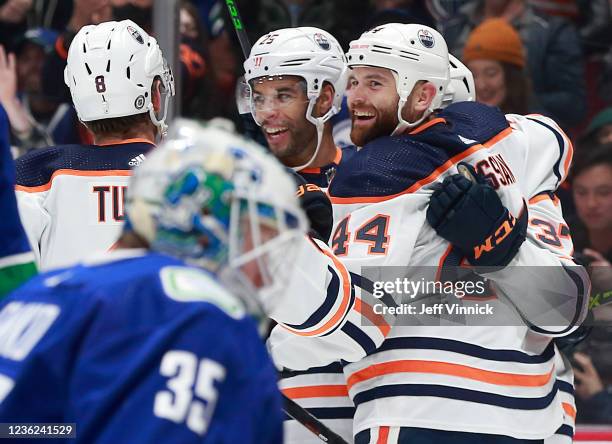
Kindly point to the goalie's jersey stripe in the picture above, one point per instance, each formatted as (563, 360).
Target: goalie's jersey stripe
(320, 313)
(449, 369)
(329, 413)
(465, 348)
(357, 335)
(460, 394)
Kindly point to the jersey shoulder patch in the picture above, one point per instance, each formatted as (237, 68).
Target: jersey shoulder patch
(185, 284)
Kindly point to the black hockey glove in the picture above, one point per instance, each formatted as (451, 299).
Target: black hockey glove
(468, 213)
(317, 207)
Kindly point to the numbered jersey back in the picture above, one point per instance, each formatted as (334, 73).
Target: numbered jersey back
(141, 349)
(71, 198)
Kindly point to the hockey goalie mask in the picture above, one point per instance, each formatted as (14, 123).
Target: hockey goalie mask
(413, 53)
(312, 54)
(110, 70)
(219, 201)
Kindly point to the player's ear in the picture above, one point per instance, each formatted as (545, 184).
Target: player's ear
(424, 95)
(156, 95)
(324, 101)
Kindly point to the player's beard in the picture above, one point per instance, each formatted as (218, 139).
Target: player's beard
(382, 125)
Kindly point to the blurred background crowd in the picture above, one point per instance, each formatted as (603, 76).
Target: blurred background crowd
(551, 57)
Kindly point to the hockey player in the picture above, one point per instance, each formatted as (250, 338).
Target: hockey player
(16, 258)
(544, 166)
(71, 198)
(136, 346)
(507, 390)
(297, 78)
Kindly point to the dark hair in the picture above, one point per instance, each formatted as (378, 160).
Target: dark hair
(118, 125)
(590, 156)
(518, 90)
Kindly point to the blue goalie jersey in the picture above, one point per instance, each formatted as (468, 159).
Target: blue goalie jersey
(136, 349)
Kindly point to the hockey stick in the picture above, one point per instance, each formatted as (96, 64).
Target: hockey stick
(302, 416)
(239, 28)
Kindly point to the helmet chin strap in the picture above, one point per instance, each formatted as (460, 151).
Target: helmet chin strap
(403, 125)
(319, 123)
(160, 123)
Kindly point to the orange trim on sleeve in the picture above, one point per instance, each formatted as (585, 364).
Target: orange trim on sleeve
(445, 368)
(67, 172)
(424, 126)
(492, 141)
(346, 290)
(316, 391)
(541, 197)
(569, 410)
(59, 48)
(367, 311)
(126, 141)
(432, 177)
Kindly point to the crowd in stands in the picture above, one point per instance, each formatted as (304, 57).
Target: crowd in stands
(527, 56)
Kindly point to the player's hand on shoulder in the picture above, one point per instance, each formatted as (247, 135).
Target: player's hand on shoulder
(467, 212)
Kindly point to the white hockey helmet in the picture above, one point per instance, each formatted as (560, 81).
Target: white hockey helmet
(413, 53)
(110, 70)
(461, 87)
(219, 201)
(307, 52)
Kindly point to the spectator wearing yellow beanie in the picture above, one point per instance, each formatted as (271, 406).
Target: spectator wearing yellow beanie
(495, 55)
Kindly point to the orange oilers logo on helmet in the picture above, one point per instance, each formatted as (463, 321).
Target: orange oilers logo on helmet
(426, 38)
(322, 41)
(135, 34)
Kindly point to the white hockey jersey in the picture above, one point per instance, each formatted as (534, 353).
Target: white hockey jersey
(478, 379)
(71, 198)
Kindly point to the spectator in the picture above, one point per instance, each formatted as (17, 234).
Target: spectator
(13, 14)
(197, 92)
(592, 188)
(554, 54)
(400, 11)
(495, 55)
(599, 130)
(36, 119)
(594, 400)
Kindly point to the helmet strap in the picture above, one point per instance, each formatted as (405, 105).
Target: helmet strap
(319, 123)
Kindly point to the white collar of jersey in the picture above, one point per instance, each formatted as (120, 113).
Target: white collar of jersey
(114, 255)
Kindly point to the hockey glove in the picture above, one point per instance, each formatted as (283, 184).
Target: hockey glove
(316, 205)
(468, 213)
